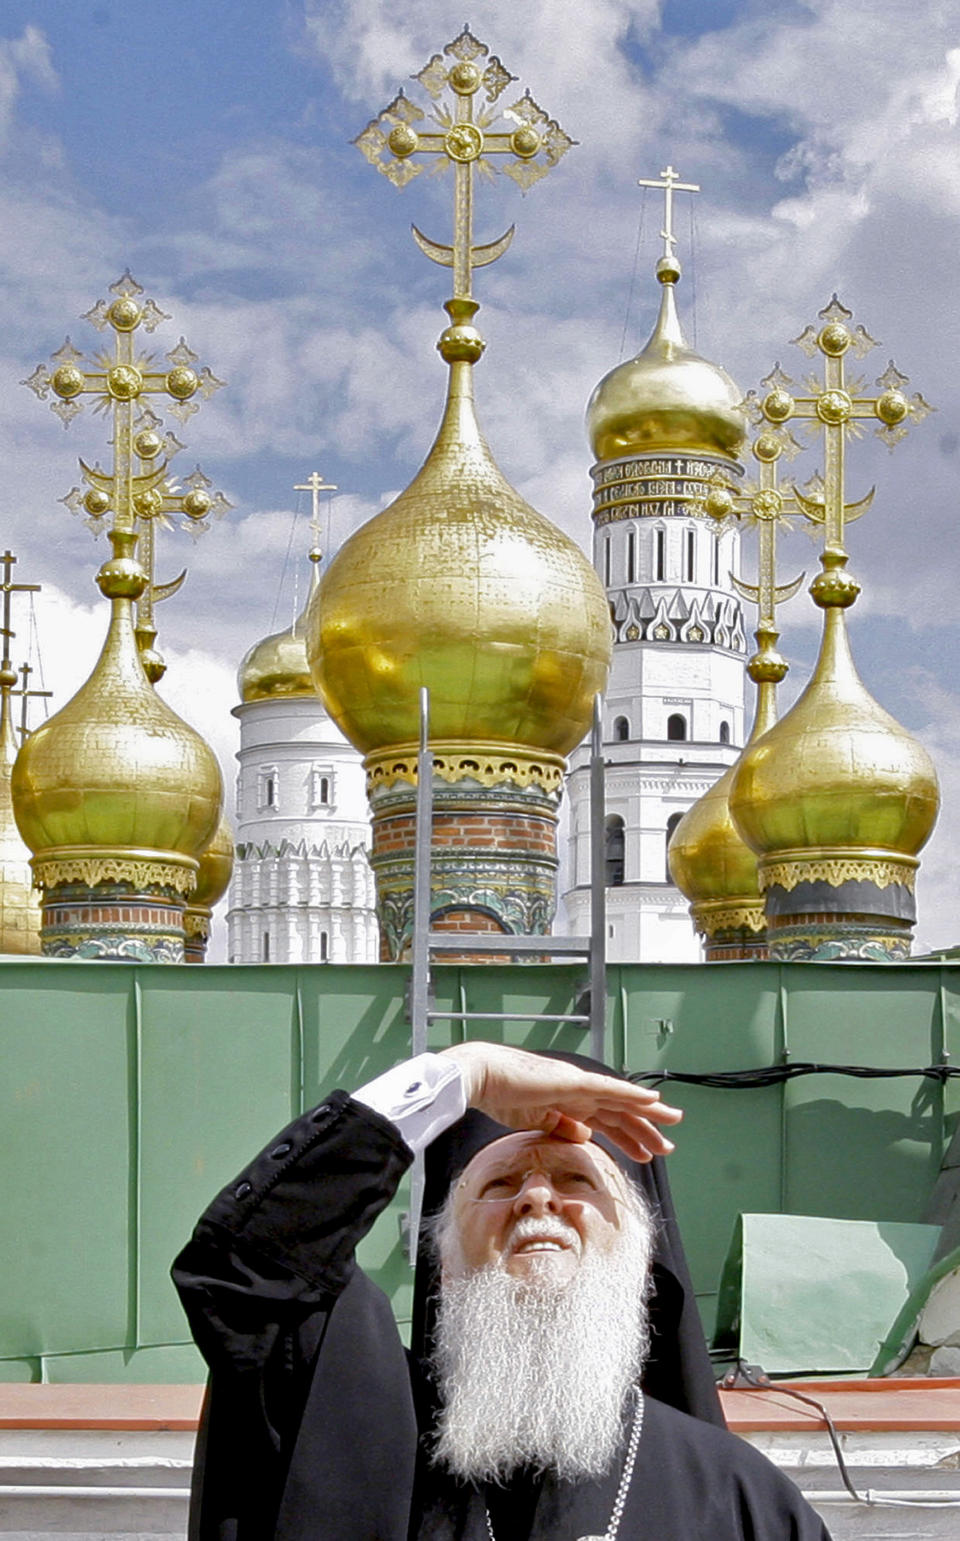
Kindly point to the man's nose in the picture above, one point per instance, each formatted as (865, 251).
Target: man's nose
(536, 1196)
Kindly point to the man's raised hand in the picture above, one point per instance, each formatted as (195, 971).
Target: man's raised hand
(528, 1091)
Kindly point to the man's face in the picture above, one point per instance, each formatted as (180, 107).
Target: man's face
(536, 1204)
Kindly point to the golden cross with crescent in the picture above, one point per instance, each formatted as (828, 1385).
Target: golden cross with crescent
(118, 382)
(836, 407)
(528, 145)
(156, 499)
(766, 504)
(669, 182)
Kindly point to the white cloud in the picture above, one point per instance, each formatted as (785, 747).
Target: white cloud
(26, 56)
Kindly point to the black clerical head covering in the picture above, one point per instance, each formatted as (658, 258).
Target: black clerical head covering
(678, 1370)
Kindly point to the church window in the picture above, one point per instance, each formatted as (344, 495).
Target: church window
(716, 561)
(676, 727)
(321, 788)
(691, 552)
(724, 732)
(323, 947)
(614, 842)
(659, 561)
(631, 556)
(621, 730)
(606, 561)
(267, 786)
(266, 946)
(672, 823)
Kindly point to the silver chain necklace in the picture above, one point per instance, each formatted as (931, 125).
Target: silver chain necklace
(616, 1514)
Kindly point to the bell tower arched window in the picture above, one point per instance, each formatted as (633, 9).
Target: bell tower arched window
(621, 730)
(614, 845)
(676, 727)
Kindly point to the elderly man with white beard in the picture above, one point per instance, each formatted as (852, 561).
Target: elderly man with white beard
(531, 1404)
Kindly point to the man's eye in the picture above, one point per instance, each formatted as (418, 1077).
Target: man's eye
(494, 1186)
(577, 1180)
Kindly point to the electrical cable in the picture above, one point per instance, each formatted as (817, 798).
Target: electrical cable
(757, 1378)
(775, 1075)
(633, 275)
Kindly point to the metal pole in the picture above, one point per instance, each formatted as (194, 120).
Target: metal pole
(420, 945)
(598, 890)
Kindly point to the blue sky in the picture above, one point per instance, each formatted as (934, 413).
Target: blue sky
(206, 146)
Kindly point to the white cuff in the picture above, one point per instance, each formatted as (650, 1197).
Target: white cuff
(423, 1096)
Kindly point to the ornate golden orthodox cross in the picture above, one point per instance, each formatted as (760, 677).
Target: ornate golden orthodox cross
(465, 136)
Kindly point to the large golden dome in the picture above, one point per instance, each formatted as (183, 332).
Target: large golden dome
(19, 904)
(668, 398)
(116, 768)
(837, 772)
(462, 587)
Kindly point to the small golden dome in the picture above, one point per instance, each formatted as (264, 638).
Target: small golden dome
(668, 398)
(19, 903)
(116, 768)
(277, 666)
(709, 858)
(216, 868)
(462, 587)
(836, 771)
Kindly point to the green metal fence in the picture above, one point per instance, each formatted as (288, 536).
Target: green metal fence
(129, 1094)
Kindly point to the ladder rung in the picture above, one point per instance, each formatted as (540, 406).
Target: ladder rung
(485, 941)
(503, 1016)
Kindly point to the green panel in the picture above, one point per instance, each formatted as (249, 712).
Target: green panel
(728, 1155)
(883, 1137)
(177, 1364)
(216, 1082)
(129, 1094)
(804, 1294)
(65, 1099)
(351, 1033)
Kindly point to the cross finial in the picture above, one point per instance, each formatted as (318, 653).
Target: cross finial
(669, 182)
(8, 587)
(835, 407)
(27, 695)
(315, 484)
(465, 135)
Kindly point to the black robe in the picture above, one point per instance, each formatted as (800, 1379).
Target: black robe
(310, 1428)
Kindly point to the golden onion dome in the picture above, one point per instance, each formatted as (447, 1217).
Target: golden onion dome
(667, 398)
(462, 587)
(116, 768)
(216, 867)
(709, 859)
(277, 667)
(19, 904)
(836, 771)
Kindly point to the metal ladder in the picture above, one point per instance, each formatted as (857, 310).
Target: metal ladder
(590, 1008)
(426, 944)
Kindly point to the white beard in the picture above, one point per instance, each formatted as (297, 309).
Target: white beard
(534, 1373)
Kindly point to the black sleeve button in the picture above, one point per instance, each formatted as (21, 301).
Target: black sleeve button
(320, 1113)
(242, 1190)
(415, 1087)
(281, 1150)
